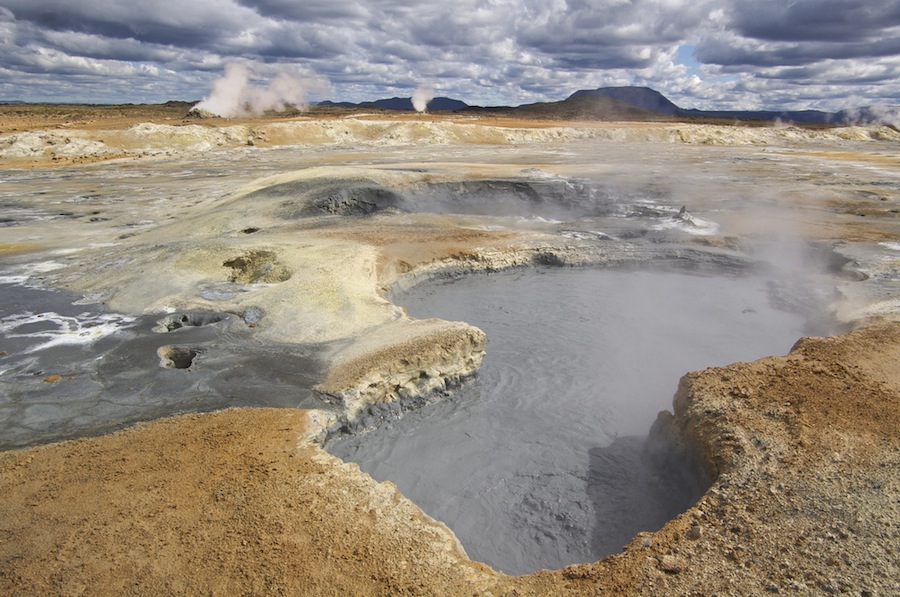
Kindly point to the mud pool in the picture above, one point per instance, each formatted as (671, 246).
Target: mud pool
(69, 367)
(540, 461)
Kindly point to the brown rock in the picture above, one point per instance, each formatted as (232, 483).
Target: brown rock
(672, 564)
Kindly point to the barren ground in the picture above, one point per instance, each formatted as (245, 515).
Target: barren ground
(803, 449)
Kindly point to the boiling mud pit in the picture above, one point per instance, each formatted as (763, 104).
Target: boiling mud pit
(543, 459)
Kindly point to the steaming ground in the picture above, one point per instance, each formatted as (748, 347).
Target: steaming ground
(233, 95)
(295, 230)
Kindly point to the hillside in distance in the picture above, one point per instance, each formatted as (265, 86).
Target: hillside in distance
(633, 103)
(583, 107)
(639, 97)
(636, 104)
(438, 104)
(650, 99)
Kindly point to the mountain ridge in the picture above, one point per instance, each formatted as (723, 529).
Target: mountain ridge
(636, 102)
(401, 103)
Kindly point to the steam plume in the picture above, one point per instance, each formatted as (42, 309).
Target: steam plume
(234, 95)
(421, 96)
(875, 114)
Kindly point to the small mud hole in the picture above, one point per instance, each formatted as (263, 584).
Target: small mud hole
(189, 320)
(177, 357)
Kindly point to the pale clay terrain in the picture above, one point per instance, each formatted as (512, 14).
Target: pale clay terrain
(803, 450)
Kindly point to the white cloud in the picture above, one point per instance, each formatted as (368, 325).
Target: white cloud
(769, 53)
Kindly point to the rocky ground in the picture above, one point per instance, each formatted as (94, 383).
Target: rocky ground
(803, 450)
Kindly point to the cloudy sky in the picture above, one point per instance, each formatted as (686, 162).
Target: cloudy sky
(737, 54)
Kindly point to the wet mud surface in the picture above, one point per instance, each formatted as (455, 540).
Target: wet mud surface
(542, 460)
(70, 369)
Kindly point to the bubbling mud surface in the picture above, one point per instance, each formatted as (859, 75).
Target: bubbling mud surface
(542, 461)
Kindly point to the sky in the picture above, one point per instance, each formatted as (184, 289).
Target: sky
(706, 54)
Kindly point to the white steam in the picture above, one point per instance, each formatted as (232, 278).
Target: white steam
(235, 95)
(876, 114)
(421, 96)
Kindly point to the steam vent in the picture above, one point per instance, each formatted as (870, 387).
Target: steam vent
(350, 353)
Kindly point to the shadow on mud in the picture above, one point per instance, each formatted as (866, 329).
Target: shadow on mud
(637, 484)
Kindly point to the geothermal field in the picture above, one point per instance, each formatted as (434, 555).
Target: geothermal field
(376, 353)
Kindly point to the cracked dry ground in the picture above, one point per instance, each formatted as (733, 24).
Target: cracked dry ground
(804, 451)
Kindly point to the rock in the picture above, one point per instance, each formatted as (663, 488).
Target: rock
(252, 315)
(672, 564)
(695, 532)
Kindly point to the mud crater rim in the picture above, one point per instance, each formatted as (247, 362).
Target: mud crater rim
(178, 357)
(189, 319)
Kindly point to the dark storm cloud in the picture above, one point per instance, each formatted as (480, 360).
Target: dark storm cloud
(308, 11)
(95, 46)
(482, 51)
(777, 33)
(840, 21)
(731, 51)
(826, 72)
(191, 24)
(609, 34)
(288, 40)
(635, 22)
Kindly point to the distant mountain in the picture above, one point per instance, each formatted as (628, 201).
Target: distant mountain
(394, 103)
(331, 104)
(801, 116)
(652, 100)
(446, 103)
(581, 107)
(639, 97)
(639, 104)
(401, 103)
